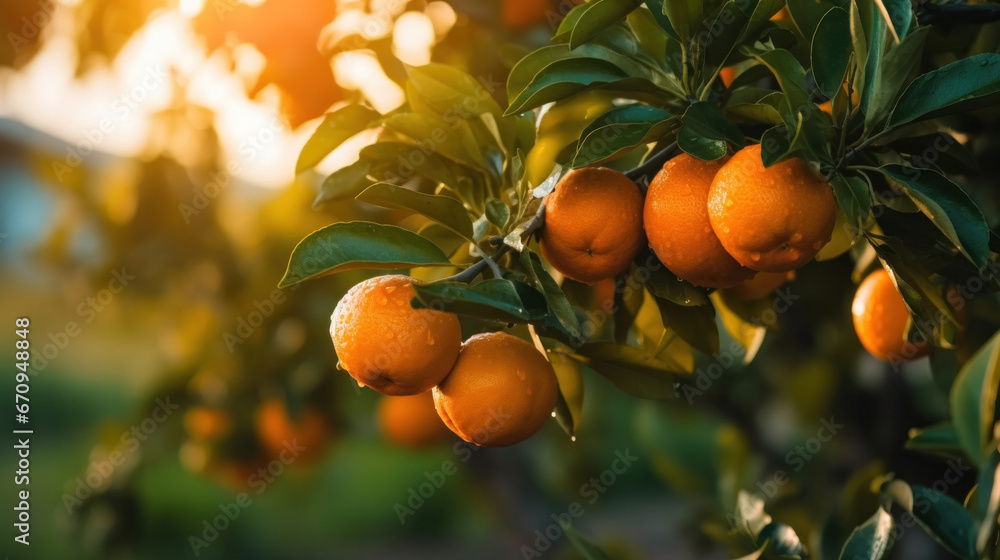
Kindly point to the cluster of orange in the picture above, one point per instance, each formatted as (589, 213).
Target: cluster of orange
(493, 390)
(730, 223)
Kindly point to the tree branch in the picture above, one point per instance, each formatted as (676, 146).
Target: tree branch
(531, 226)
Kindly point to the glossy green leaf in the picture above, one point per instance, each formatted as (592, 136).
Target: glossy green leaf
(831, 51)
(352, 245)
(854, 198)
(941, 439)
(398, 162)
(988, 501)
(345, 182)
(618, 131)
(947, 205)
(973, 399)
(872, 540)
(706, 133)
(444, 210)
(878, 39)
(569, 405)
(656, 9)
(446, 88)
(963, 85)
(336, 127)
(631, 369)
(900, 16)
(496, 299)
(554, 295)
(808, 13)
(666, 285)
(746, 333)
(941, 516)
(453, 140)
(695, 324)
(898, 64)
(597, 16)
(497, 212)
(563, 78)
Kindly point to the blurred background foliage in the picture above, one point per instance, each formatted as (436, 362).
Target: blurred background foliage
(190, 190)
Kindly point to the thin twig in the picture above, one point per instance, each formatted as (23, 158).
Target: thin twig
(531, 226)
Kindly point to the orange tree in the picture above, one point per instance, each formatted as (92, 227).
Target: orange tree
(871, 102)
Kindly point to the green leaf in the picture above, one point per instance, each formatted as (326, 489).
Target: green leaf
(446, 88)
(988, 500)
(585, 546)
(695, 324)
(453, 140)
(398, 162)
(444, 210)
(963, 85)
(900, 15)
(973, 399)
(665, 285)
(678, 15)
(563, 78)
(618, 131)
(783, 541)
(877, 41)
(569, 405)
(808, 13)
(872, 540)
(658, 11)
(554, 295)
(352, 245)
(746, 333)
(631, 369)
(497, 212)
(854, 198)
(345, 182)
(496, 299)
(941, 439)
(336, 127)
(797, 107)
(948, 206)
(897, 66)
(941, 516)
(706, 133)
(597, 16)
(831, 51)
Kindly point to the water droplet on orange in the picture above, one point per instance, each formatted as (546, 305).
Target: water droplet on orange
(430, 339)
(520, 375)
(390, 335)
(340, 365)
(795, 238)
(725, 229)
(755, 256)
(383, 300)
(390, 289)
(729, 202)
(818, 245)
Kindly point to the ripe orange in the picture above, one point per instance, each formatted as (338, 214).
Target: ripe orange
(500, 392)
(518, 14)
(762, 285)
(880, 317)
(388, 345)
(278, 431)
(727, 75)
(676, 222)
(593, 224)
(771, 219)
(205, 423)
(411, 421)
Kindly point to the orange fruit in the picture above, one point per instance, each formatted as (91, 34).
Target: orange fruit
(278, 431)
(500, 392)
(727, 75)
(880, 317)
(205, 423)
(593, 224)
(771, 219)
(761, 286)
(388, 345)
(411, 421)
(676, 221)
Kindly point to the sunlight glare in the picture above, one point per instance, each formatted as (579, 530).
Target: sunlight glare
(191, 8)
(413, 38)
(442, 16)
